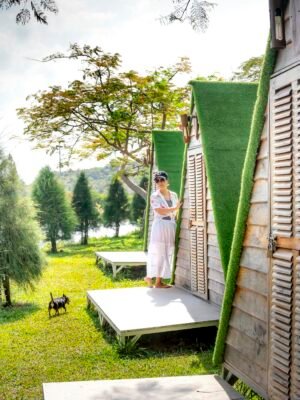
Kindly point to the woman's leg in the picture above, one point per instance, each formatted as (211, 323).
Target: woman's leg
(148, 281)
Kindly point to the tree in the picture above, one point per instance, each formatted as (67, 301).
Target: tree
(193, 11)
(115, 206)
(249, 70)
(21, 259)
(84, 207)
(37, 7)
(138, 204)
(108, 113)
(212, 77)
(55, 213)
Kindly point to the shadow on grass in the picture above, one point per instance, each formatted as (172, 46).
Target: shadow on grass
(17, 312)
(164, 344)
(133, 273)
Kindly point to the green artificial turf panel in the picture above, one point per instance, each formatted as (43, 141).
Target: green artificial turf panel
(224, 112)
(244, 201)
(73, 347)
(169, 154)
(168, 147)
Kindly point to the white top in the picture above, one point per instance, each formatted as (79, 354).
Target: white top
(157, 200)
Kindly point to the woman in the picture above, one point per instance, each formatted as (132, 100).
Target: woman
(162, 240)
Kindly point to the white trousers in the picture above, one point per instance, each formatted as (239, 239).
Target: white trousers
(161, 248)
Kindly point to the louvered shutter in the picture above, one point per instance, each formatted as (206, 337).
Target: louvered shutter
(198, 241)
(284, 382)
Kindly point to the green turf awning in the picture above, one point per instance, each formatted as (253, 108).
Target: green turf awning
(224, 112)
(169, 149)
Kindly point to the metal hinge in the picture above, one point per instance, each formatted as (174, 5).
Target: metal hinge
(272, 244)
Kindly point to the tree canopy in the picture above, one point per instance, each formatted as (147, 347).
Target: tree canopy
(84, 207)
(38, 8)
(195, 12)
(20, 256)
(109, 113)
(55, 213)
(249, 70)
(116, 207)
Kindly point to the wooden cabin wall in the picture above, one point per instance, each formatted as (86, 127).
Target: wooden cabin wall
(246, 352)
(214, 265)
(183, 267)
(290, 55)
(183, 263)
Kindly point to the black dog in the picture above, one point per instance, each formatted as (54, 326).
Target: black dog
(57, 303)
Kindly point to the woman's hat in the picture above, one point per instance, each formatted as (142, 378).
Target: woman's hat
(159, 175)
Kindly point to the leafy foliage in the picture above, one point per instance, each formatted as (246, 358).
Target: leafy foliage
(55, 213)
(20, 257)
(249, 70)
(84, 207)
(36, 7)
(116, 207)
(193, 11)
(99, 178)
(108, 113)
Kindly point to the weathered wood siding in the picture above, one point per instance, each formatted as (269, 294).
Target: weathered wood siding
(246, 353)
(183, 263)
(290, 55)
(215, 270)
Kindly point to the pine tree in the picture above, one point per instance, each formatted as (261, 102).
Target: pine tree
(21, 259)
(138, 203)
(55, 212)
(84, 207)
(116, 206)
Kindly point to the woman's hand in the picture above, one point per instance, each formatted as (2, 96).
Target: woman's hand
(178, 205)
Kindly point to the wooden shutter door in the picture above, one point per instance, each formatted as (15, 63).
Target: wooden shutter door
(198, 242)
(284, 379)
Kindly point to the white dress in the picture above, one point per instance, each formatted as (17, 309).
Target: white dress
(162, 239)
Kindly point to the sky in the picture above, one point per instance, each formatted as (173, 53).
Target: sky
(238, 30)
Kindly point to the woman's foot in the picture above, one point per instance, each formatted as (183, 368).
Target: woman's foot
(161, 285)
(148, 281)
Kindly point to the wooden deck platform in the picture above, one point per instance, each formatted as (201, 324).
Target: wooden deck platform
(121, 259)
(133, 312)
(203, 387)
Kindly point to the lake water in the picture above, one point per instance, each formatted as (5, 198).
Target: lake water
(102, 231)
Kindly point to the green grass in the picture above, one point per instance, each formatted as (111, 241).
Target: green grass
(224, 112)
(244, 201)
(35, 349)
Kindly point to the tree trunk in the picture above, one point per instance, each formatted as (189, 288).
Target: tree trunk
(53, 245)
(164, 121)
(6, 287)
(86, 232)
(136, 188)
(117, 230)
(81, 233)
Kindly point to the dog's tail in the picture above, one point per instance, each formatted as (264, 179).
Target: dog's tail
(51, 296)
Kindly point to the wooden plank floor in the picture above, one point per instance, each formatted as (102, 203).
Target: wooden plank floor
(204, 387)
(138, 311)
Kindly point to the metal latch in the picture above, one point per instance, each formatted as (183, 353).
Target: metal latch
(272, 244)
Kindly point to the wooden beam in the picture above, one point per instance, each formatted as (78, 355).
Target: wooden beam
(288, 243)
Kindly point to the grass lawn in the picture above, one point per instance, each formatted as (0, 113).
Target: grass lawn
(35, 348)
